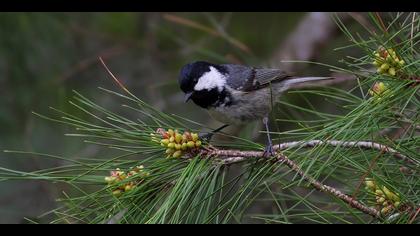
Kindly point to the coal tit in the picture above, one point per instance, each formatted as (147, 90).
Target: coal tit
(236, 94)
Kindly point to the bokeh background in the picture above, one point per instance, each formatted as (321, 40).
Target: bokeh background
(44, 56)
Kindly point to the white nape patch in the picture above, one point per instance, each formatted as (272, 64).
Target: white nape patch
(211, 80)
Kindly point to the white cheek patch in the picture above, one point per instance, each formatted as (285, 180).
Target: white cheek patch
(210, 80)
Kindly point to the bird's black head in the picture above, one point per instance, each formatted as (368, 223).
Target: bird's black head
(204, 83)
(190, 73)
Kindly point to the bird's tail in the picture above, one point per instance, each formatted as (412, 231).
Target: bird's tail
(299, 80)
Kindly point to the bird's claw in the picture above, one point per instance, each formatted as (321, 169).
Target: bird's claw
(209, 148)
(269, 151)
(206, 137)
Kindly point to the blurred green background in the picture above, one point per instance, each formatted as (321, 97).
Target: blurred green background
(44, 56)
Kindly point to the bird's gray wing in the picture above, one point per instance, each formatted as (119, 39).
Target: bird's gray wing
(246, 79)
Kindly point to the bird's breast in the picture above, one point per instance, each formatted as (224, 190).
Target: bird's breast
(246, 107)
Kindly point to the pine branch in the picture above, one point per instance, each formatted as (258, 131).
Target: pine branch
(348, 144)
(233, 156)
(241, 155)
(328, 189)
(228, 157)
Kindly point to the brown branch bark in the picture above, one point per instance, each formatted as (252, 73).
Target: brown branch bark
(232, 156)
(227, 157)
(348, 144)
(240, 155)
(328, 189)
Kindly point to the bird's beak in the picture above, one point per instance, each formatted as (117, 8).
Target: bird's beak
(188, 96)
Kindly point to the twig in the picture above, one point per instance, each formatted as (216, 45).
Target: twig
(414, 216)
(227, 157)
(381, 22)
(113, 77)
(232, 156)
(348, 144)
(328, 189)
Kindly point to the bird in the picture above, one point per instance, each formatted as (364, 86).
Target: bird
(236, 94)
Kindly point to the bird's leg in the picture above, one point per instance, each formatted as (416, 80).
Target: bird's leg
(268, 151)
(207, 136)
